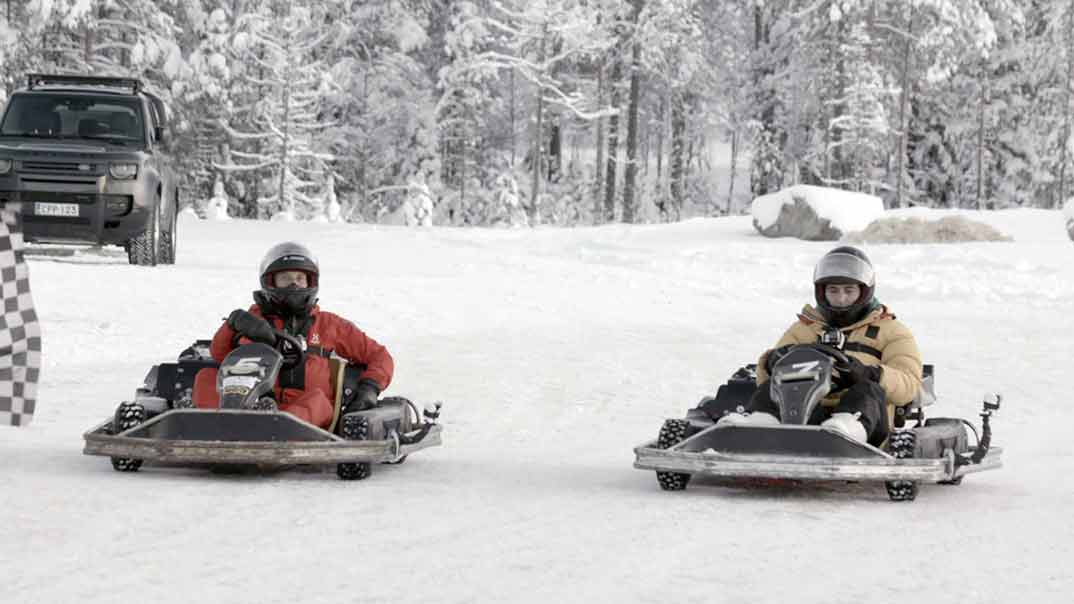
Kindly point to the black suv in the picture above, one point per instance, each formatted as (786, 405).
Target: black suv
(83, 157)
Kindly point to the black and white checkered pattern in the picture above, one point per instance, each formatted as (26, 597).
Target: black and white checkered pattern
(20, 335)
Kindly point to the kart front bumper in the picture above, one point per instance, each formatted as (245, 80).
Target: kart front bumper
(785, 452)
(225, 436)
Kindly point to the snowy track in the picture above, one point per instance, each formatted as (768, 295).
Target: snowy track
(555, 353)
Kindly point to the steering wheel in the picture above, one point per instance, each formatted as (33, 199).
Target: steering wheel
(291, 348)
(842, 361)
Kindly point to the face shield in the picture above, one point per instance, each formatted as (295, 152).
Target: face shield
(844, 267)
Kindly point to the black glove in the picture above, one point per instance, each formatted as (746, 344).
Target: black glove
(774, 356)
(364, 396)
(252, 326)
(857, 372)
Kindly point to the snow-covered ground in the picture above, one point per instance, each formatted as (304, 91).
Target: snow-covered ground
(555, 352)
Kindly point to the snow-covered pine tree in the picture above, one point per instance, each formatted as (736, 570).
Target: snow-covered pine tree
(533, 40)
(280, 46)
(110, 37)
(856, 123)
(382, 104)
(204, 97)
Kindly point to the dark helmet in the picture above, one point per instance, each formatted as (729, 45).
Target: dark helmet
(844, 265)
(288, 301)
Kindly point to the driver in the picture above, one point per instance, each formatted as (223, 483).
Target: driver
(287, 301)
(885, 364)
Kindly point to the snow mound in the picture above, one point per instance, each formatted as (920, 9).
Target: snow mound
(949, 229)
(814, 213)
(1068, 212)
(188, 213)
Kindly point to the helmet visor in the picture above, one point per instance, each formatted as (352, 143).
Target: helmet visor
(840, 266)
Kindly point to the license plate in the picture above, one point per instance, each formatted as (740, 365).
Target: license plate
(55, 209)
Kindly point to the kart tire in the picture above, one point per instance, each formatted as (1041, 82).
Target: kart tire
(127, 416)
(354, 427)
(672, 433)
(901, 445)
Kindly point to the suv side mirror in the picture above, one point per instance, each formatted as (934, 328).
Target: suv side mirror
(158, 133)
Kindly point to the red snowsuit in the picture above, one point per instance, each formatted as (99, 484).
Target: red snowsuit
(314, 403)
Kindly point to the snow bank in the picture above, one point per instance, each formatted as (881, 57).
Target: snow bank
(814, 213)
(948, 229)
(1068, 212)
(188, 213)
(550, 336)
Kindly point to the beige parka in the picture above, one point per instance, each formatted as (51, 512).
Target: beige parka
(878, 339)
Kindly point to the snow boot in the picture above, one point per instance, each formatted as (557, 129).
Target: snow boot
(848, 424)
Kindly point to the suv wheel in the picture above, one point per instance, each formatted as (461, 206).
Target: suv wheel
(142, 250)
(167, 235)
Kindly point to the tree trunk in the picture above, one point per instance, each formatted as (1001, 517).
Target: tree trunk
(1066, 142)
(980, 135)
(676, 163)
(284, 149)
(734, 163)
(87, 45)
(767, 166)
(613, 144)
(555, 151)
(660, 143)
(597, 180)
(630, 177)
(904, 99)
(537, 136)
(837, 169)
(514, 143)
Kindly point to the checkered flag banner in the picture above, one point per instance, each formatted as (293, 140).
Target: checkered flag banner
(20, 335)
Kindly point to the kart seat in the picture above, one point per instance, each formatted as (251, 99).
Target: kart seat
(337, 370)
(927, 394)
(344, 380)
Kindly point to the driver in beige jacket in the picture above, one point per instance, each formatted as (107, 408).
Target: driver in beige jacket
(884, 368)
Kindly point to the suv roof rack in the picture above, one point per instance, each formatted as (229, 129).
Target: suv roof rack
(41, 79)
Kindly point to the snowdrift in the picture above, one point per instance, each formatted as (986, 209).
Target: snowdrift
(949, 229)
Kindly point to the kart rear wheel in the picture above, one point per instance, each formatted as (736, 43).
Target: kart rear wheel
(901, 446)
(672, 433)
(128, 415)
(354, 427)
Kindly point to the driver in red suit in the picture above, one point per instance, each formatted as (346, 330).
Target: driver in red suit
(287, 301)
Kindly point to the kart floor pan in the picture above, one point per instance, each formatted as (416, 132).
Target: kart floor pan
(796, 452)
(198, 436)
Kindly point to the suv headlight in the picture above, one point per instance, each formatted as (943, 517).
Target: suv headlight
(5, 166)
(123, 171)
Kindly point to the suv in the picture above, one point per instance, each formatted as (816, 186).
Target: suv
(82, 156)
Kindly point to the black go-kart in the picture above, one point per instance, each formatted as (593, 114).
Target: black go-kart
(919, 450)
(162, 426)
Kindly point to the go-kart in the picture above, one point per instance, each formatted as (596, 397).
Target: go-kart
(162, 426)
(918, 450)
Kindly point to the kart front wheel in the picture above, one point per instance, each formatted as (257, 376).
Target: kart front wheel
(901, 445)
(354, 427)
(128, 415)
(672, 433)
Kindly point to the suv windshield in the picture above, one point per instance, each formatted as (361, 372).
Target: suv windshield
(59, 115)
